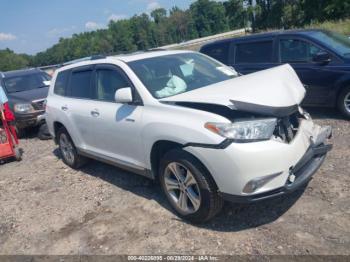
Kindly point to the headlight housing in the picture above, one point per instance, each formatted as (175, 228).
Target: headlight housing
(245, 131)
(23, 108)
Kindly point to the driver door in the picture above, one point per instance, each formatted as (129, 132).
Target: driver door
(116, 126)
(317, 78)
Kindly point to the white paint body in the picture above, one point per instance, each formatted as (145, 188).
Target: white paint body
(113, 136)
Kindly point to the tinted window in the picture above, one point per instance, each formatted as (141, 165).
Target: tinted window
(80, 84)
(218, 51)
(61, 82)
(339, 43)
(296, 51)
(107, 82)
(258, 52)
(26, 82)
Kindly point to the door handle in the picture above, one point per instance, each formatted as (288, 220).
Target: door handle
(64, 108)
(95, 113)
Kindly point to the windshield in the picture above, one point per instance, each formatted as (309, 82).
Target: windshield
(170, 75)
(26, 82)
(339, 43)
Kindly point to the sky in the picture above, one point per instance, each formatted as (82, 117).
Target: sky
(31, 26)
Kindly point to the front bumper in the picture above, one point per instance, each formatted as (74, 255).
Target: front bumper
(303, 171)
(30, 120)
(237, 164)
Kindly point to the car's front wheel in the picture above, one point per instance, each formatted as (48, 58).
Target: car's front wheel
(189, 187)
(68, 150)
(344, 102)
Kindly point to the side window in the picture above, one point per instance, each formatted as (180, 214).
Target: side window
(218, 51)
(297, 51)
(107, 83)
(257, 52)
(80, 84)
(61, 82)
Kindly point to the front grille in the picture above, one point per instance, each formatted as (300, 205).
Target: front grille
(39, 104)
(287, 127)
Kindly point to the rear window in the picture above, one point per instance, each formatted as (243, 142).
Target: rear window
(61, 82)
(218, 51)
(257, 52)
(26, 82)
(80, 84)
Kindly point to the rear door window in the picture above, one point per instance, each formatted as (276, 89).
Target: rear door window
(297, 51)
(80, 83)
(255, 52)
(219, 51)
(61, 83)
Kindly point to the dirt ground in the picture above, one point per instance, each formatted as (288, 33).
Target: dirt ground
(48, 208)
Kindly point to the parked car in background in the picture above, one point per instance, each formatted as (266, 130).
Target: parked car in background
(189, 121)
(320, 58)
(26, 91)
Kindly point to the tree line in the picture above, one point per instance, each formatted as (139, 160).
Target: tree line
(162, 27)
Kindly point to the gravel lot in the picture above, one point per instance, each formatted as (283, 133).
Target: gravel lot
(48, 208)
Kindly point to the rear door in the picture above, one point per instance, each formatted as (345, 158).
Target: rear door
(317, 78)
(77, 104)
(253, 55)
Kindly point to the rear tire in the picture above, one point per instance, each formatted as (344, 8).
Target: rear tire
(68, 150)
(343, 102)
(182, 176)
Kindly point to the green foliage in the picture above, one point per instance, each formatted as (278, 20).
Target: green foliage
(202, 18)
(11, 61)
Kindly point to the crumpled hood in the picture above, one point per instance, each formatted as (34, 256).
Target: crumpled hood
(278, 87)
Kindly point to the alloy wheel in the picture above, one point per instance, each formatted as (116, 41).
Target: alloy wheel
(67, 149)
(182, 188)
(347, 102)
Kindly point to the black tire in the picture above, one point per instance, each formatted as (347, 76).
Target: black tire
(210, 201)
(43, 133)
(344, 94)
(77, 160)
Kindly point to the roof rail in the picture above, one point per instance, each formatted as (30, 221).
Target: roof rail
(95, 57)
(156, 49)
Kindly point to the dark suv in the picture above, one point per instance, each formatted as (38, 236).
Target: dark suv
(26, 91)
(320, 58)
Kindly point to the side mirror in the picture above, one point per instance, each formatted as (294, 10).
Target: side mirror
(322, 58)
(123, 95)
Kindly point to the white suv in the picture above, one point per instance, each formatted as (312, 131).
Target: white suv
(191, 122)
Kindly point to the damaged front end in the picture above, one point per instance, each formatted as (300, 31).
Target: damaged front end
(287, 119)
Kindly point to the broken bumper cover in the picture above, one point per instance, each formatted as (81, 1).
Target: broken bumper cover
(303, 171)
(236, 165)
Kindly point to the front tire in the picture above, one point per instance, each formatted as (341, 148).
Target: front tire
(343, 102)
(68, 150)
(188, 186)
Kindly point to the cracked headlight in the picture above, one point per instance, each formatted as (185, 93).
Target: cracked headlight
(23, 108)
(245, 131)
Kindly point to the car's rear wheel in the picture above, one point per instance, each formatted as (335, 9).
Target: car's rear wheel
(344, 102)
(189, 187)
(68, 150)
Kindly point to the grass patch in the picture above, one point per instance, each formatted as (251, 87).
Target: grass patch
(342, 26)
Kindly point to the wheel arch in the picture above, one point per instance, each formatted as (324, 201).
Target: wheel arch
(57, 126)
(159, 148)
